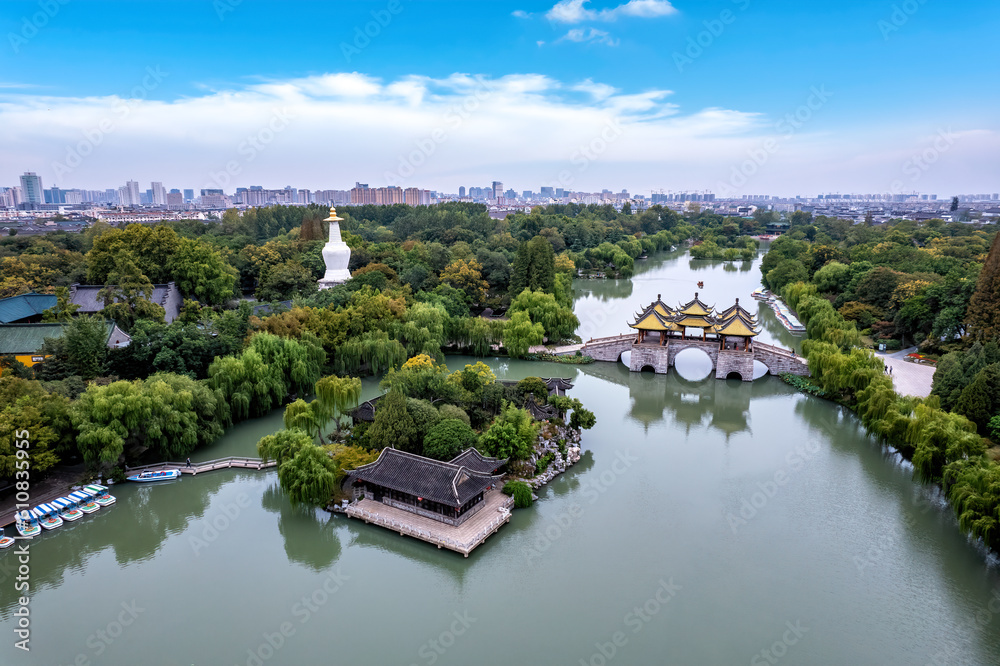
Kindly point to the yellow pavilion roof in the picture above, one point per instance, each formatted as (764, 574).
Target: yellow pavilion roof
(651, 320)
(737, 309)
(735, 325)
(696, 307)
(693, 321)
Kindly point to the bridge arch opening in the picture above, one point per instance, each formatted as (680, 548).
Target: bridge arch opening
(625, 358)
(738, 376)
(693, 364)
(647, 368)
(759, 369)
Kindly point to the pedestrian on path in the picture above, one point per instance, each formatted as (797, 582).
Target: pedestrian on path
(189, 462)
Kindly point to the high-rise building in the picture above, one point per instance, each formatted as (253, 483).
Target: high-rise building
(362, 194)
(416, 197)
(159, 194)
(31, 189)
(132, 197)
(188, 195)
(174, 199)
(497, 188)
(461, 192)
(548, 192)
(304, 197)
(528, 194)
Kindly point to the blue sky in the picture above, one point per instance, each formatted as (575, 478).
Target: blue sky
(638, 94)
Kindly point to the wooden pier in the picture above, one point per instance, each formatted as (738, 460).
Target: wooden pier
(462, 539)
(7, 517)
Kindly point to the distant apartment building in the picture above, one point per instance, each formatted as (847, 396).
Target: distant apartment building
(332, 197)
(188, 195)
(497, 189)
(362, 194)
(304, 197)
(414, 196)
(158, 194)
(461, 192)
(174, 200)
(549, 192)
(31, 189)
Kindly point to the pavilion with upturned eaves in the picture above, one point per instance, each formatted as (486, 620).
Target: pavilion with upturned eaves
(726, 336)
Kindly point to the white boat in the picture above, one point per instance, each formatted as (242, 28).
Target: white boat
(48, 516)
(162, 475)
(27, 524)
(68, 509)
(100, 494)
(5, 541)
(85, 501)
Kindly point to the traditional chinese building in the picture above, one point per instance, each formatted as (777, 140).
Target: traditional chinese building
(449, 492)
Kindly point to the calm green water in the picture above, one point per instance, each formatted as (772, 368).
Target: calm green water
(707, 521)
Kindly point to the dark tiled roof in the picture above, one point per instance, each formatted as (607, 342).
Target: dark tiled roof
(166, 295)
(476, 461)
(538, 412)
(441, 482)
(24, 306)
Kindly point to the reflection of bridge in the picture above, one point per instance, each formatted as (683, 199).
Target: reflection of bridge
(660, 355)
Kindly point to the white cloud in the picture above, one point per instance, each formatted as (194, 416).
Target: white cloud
(526, 129)
(586, 35)
(520, 13)
(599, 91)
(575, 11)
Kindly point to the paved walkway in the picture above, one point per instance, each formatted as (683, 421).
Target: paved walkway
(909, 378)
(565, 350)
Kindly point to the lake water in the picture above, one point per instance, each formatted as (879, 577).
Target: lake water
(708, 522)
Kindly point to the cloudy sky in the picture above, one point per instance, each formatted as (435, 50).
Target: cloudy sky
(732, 96)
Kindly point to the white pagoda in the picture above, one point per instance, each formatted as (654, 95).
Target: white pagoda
(336, 255)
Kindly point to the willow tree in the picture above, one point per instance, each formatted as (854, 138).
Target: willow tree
(335, 397)
(283, 445)
(310, 477)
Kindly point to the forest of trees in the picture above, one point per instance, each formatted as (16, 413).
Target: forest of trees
(935, 284)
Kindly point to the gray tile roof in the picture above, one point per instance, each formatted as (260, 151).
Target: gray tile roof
(165, 295)
(441, 482)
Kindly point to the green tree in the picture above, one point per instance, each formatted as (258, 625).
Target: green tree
(558, 322)
(63, 310)
(309, 477)
(448, 438)
(201, 272)
(86, 345)
(984, 308)
(534, 267)
(150, 248)
(393, 425)
(520, 491)
(520, 334)
(287, 279)
(126, 294)
(788, 271)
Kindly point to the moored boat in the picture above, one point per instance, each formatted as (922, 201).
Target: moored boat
(85, 501)
(162, 475)
(5, 541)
(48, 516)
(100, 494)
(68, 509)
(27, 524)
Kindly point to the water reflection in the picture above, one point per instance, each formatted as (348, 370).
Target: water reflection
(140, 522)
(660, 400)
(308, 535)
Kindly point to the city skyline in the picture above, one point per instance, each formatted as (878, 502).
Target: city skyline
(581, 95)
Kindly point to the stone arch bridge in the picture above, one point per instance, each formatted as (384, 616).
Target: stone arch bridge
(725, 362)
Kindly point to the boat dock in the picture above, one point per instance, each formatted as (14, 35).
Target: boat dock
(461, 539)
(7, 517)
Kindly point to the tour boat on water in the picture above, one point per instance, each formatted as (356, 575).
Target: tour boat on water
(164, 475)
(27, 524)
(48, 516)
(85, 501)
(68, 509)
(5, 541)
(100, 494)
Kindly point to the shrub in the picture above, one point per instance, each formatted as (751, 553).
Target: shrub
(520, 491)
